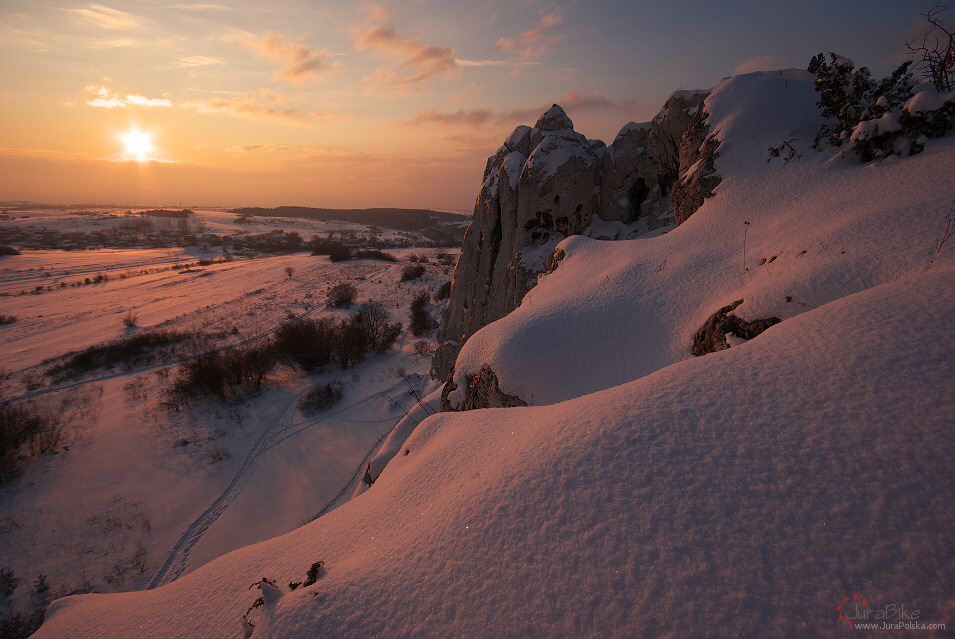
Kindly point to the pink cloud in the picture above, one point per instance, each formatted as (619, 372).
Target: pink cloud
(413, 61)
(536, 42)
(301, 62)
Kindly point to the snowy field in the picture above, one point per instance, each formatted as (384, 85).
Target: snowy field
(779, 488)
(125, 503)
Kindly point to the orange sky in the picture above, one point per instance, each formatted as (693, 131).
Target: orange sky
(345, 105)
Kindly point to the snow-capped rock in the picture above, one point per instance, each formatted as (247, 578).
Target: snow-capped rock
(549, 182)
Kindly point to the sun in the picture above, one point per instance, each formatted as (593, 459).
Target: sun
(138, 144)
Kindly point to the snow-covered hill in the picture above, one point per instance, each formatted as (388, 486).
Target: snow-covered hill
(784, 487)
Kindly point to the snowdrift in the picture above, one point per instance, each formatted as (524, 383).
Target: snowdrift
(813, 230)
(646, 493)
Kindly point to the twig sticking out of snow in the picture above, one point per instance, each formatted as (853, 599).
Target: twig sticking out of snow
(949, 228)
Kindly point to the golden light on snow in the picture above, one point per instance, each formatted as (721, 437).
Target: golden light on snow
(137, 145)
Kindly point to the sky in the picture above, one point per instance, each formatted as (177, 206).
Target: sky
(350, 105)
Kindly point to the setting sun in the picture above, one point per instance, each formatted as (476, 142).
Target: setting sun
(137, 145)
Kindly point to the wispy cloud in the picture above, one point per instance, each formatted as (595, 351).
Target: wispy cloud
(479, 117)
(198, 7)
(199, 61)
(301, 62)
(481, 63)
(536, 42)
(472, 117)
(256, 149)
(106, 17)
(412, 61)
(116, 43)
(261, 104)
(102, 96)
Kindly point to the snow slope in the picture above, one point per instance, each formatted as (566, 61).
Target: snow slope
(125, 503)
(825, 228)
(646, 493)
(736, 494)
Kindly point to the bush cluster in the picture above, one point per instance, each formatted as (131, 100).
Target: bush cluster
(420, 318)
(136, 349)
(321, 398)
(411, 272)
(444, 292)
(336, 251)
(15, 624)
(373, 254)
(25, 432)
(873, 120)
(342, 295)
(303, 344)
(222, 373)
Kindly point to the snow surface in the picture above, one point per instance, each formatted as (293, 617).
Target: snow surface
(616, 311)
(555, 150)
(124, 504)
(737, 494)
(647, 493)
(512, 166)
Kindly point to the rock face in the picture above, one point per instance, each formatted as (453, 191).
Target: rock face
(547, 182)
(712, 336)
(483, 391)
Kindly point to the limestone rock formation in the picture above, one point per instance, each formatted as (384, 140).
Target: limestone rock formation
(548, 182)
(644, 161)
(538, 189)
(697, 174)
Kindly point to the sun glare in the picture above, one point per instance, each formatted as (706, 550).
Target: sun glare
(138, 145)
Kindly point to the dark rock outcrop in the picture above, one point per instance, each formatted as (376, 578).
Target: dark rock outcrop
(483, 391)
(547, 182)
(697, 173)
(712, 336)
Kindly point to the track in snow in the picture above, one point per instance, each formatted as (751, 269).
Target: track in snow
(280, 428)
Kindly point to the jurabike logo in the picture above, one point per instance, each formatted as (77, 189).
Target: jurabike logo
(855, 609)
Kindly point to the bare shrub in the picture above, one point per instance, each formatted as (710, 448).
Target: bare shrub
(422, 348)
(420, 319)
(379, 334)
(411, 272)
(8, 582)
(205, 374)
(130, 319)
(253, 363)
(336, 251)
(306, 343)
(26, 432)
(373, 254)
(342, 295)
(321, 398)
(444, 292)
(936, 50)
(137, 349)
